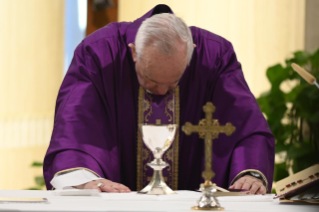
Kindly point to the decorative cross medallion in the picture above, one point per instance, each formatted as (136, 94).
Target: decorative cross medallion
(208, 129)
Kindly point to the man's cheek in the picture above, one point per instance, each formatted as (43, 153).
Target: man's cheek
(141, 81)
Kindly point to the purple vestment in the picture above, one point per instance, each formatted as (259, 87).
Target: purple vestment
(96, 114)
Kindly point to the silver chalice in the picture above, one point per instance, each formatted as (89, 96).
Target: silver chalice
(157, 138)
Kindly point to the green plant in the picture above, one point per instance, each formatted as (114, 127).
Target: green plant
(293, 116)
(39, 180)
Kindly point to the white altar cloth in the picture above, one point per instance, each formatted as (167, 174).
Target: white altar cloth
(130, 202)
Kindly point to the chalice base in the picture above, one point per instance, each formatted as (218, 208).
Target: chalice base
(157, 186)
(195, 208)
(207, 201)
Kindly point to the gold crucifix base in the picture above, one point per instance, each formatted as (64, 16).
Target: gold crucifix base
(207, 202)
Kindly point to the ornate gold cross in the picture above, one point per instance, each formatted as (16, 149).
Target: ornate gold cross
(208, 129)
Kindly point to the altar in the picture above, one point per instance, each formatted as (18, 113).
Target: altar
(182, 201)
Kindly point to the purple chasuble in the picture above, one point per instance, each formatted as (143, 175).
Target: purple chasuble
(96, 115)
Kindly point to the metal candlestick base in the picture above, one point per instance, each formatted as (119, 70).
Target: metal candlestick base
(208, 202)
(157, 186)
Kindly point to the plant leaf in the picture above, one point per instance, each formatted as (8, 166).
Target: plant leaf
(37, 164)
(280, 171)
(33, 188)
(276, 74)
(39, 181)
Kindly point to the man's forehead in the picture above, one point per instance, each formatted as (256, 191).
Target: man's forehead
(169, 81)
(163, 73)
(152, 59)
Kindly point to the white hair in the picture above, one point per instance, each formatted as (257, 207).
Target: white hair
(164, 31)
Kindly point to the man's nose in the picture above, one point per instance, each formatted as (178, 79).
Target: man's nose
(162, 90)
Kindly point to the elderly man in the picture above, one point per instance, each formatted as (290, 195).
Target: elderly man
(155, 70)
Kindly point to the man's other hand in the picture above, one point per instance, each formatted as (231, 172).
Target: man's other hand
(254, 185)
(106, 186)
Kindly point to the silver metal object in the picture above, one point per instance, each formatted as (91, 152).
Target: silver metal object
(255, 174)
(316, 84)
(207, 201)
(157, 138)
(99, 185)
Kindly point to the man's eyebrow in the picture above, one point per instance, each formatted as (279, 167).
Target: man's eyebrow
(159, 82)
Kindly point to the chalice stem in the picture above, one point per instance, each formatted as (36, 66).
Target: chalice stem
(157, 186)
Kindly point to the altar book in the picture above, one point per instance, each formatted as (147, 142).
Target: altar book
(300, 187)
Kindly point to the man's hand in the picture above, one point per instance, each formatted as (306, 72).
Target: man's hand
(107, 186)
(254, 185)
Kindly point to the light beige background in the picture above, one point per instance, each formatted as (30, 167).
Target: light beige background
(31, 69)
(263, 33)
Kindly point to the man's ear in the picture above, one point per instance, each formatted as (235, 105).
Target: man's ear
(134, 55)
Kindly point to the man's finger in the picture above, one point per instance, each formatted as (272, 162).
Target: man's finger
(116, 186)
(238, 184)
(109, 188)
(254, 188)
(247, 185)
(262, 190)
(242, 180)
(96, 187)
(123, 188)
